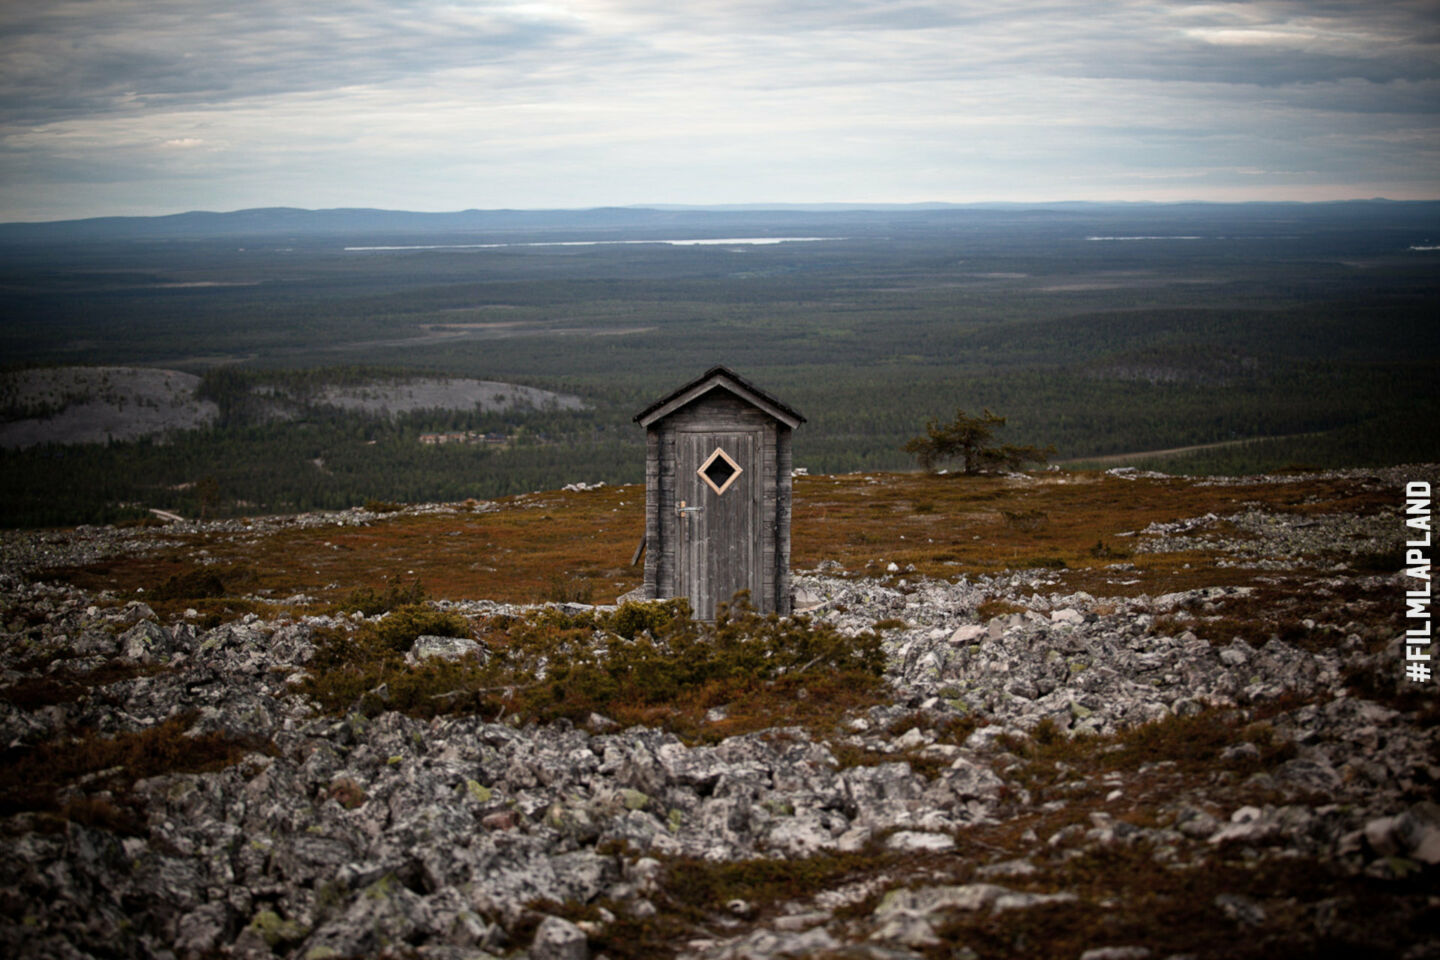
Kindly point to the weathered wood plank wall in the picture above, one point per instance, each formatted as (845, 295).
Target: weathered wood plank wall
(745, 532)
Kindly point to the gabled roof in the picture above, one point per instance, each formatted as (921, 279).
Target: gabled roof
(719, 378)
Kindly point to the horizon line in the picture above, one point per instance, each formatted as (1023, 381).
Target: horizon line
(758, 206)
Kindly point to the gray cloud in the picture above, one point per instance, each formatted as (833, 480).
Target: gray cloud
(375, 102)
(61, 59)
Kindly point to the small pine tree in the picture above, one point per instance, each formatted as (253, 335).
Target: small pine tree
(967, 439)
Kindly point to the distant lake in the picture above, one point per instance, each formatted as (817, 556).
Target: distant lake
(758, 241)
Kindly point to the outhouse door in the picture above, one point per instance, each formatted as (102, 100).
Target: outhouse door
(719, 480)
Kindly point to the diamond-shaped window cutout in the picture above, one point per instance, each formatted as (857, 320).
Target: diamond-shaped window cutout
(719, 470)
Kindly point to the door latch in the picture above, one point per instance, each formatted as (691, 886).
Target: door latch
(682, 511)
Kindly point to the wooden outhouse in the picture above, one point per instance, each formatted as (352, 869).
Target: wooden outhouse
(717, 494)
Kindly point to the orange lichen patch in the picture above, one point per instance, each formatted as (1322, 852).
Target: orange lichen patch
(31, 778)
(1297, 610)
(816, 702)
(578, 545)
(945, 526)
(514, 553)
(67, 686)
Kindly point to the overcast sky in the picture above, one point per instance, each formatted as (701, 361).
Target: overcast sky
(159, 106)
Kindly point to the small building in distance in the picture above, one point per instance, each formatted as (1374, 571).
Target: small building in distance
(717, 494)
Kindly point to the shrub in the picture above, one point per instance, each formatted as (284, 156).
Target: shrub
(371, 603)
(990, 609)
(347, 793)
(1025, 520)
(401, 626)
(967, 438)
(1103, 551)
(568, 590)
(656, 617)
(645, 663)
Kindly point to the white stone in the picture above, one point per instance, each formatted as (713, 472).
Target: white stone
(968, 633)
(801, 921)
(854, 839)
(915, 840)
(447, 648)
(1024, 901)
(910, 739)
(925, 900)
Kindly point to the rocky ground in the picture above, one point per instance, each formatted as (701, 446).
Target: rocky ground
(1228, 770)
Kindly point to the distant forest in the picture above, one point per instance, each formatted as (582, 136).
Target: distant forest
(1100, 330)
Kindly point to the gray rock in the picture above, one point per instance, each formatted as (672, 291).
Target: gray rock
(927, 900)
(146, 642)
(967, 633)
(428, 647)
(1414, 834)
(1024, 901)
(559, 939)
(916, 840)
(1117, 953)
(1419, 831)
(1240, 908)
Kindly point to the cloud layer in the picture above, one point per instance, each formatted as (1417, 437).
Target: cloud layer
(154, 106)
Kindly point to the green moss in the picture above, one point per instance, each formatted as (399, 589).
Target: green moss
(276, 931)
(382, 889)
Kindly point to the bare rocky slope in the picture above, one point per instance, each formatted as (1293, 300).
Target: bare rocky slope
(98, 404)
(70, 405)
(1054, 773)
